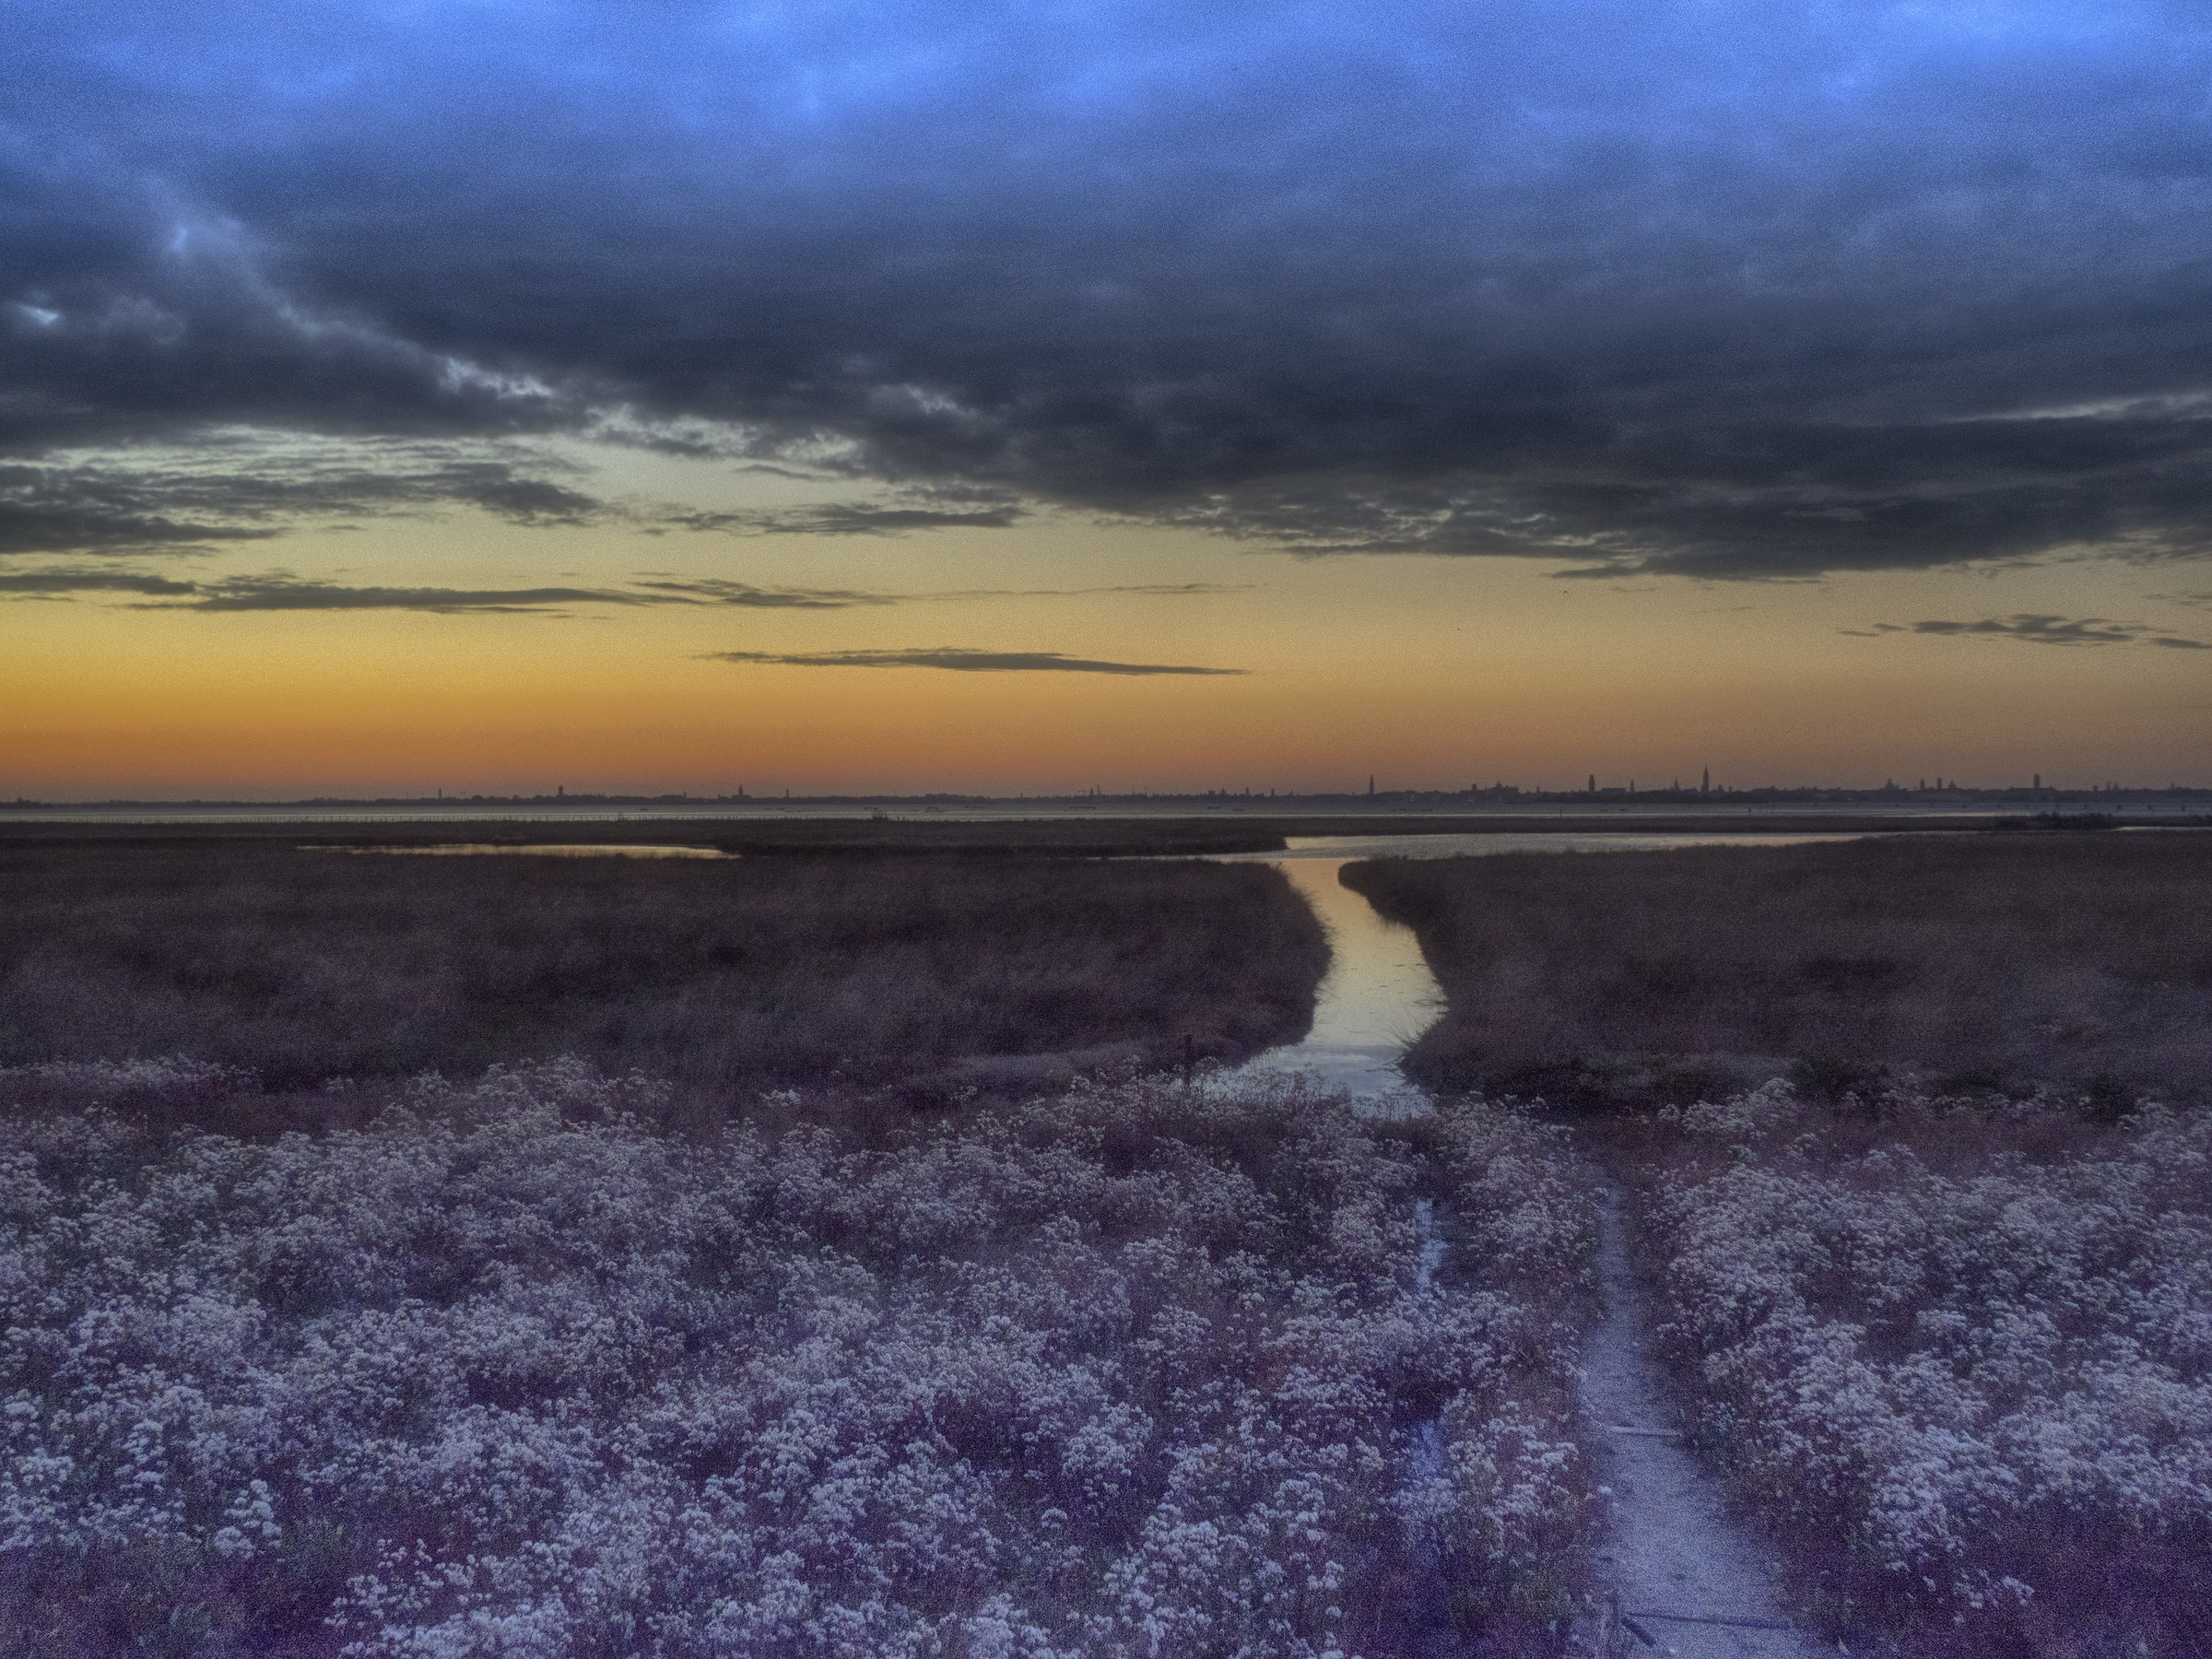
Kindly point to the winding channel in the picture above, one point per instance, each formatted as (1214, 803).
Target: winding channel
(1685, 1579)
(1379, 993)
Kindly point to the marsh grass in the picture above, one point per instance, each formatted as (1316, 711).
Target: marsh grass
(1986, 962)
(302, 965)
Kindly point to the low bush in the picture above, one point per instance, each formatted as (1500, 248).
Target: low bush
(1960, 1359)
(1138, 1370)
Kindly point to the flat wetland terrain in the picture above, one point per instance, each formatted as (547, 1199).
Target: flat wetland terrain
(830, 1250)
(301, 962)
(2081, 961)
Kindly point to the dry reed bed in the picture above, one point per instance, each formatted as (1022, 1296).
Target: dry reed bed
(1988, 960)
(305, 964)
(1138, 1370)
(1960, 1359)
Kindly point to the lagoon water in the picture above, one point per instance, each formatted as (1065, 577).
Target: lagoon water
(545, 850)
(1379, 993)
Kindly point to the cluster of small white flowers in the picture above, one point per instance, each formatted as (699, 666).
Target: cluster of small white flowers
(1991, 1384)
(1135, 1370)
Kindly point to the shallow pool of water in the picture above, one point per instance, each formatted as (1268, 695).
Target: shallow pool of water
(548, 850)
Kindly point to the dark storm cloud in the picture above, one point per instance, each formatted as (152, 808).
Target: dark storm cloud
(1723, 289)
(2037, 629)
(961, 659)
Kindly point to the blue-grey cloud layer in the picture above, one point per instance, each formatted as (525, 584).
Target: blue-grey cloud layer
(1721, 288)
(282, 591)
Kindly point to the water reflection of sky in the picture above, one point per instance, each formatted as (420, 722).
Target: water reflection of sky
(1346, 848)
(1379, 995)
(547, 850)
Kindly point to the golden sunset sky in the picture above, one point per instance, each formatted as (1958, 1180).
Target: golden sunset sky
(1425, 672)
(953, 398)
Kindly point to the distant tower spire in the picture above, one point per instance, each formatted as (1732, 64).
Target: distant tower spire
(1371, 784)
(1706, 787)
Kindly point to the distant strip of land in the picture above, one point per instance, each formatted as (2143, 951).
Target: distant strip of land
(1102, 836)
(1944, 796)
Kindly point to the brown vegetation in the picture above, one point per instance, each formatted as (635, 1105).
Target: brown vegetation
(306, 964)
(2081, 961)
(1025, 838)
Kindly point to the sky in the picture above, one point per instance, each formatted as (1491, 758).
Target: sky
(842, 397)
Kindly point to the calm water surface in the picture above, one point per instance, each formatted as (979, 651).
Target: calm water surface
(544, 850)
(1379, 995)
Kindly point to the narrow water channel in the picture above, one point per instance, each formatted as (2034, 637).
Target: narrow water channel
(1682, 1575)
(1379, 995)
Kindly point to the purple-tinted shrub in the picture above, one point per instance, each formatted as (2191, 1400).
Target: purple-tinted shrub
(1135, 1370)
(1972, 1387)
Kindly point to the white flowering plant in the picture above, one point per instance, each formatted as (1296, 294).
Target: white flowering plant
(1959, 1356)
(1136, 1369)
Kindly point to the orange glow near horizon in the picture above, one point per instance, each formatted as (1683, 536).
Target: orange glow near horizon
(1424, 672)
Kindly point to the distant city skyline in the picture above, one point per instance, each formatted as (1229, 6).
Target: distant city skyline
(1492, 795)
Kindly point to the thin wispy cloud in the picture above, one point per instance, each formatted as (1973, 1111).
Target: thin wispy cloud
(843, 518)
(294, 593)
(286, 593)
(1153, 590)
(960, 659)
(281, 590)
(247, 593)
(255, 486)
(2035, 628)
(64, 583)
(744, 595)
